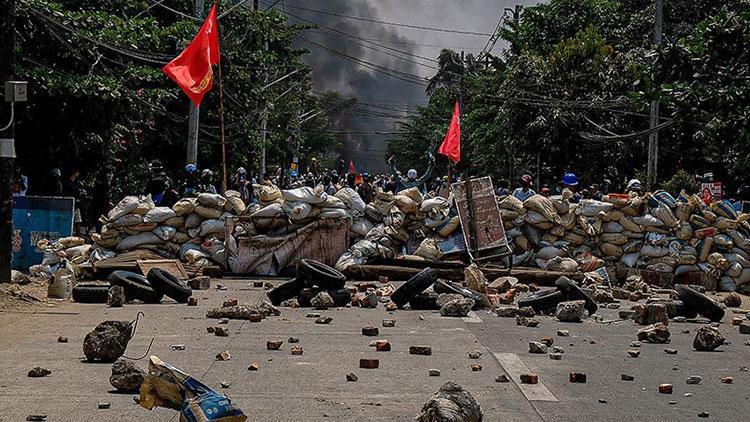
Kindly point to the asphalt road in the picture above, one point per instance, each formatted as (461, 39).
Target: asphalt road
(313, 387)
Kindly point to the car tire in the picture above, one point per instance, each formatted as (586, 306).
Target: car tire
(320, 275)
(542, 300)
(136, 286)
(678, 308)
(699, 302)
(573, 292)
(90, 293)
(170, 285)
(285, 291)
(414, 286)
(341, 297)
(424, 302)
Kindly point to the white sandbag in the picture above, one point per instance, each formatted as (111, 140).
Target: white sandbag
(548, 252)
(614, 215)
(652, 251)
(665, 214)
(566, 265)
(235, 203)
(352, 199)
(413, 193)
(734, 270)
(296, 210)
(361, 226)
(304, 194)
(268, 194)
(562, 206)
(739, 239)
(192, 221)
(74, 252)
(125, 206)
(450, 227)
(333, 202)
(126, 221)
(273, 210)
(105, 242)
(629, 259)
(333, 213)
(70, 241)
(591, 207)
(647, 220)
(432, 203)
(159, 215)
(512, 203)
(184, 206)
(138, 240)
(543, 206)
(213, 200)
(209, 228)
(165, 233)
(744, 278)
(208, 212)
(612, 227)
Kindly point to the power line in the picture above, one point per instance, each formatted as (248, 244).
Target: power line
(403, 25)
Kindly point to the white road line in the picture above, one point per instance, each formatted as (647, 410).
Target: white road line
(472, 318)
(514, 366)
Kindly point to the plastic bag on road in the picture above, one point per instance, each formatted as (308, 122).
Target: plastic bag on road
(167, 386)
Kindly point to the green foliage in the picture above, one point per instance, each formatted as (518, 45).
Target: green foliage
(682, 180)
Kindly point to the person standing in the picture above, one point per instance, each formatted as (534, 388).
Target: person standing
(75, 189)
(20, 182)
(102, 198)
(411, 180)
(524, 192)
(159, 182)
(366, 190)
(206, 184)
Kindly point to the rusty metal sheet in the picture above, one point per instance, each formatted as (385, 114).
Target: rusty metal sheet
(172, 266)
(481, 221)
(322, 240)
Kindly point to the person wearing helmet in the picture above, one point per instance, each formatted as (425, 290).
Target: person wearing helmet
(570, 182)
(310, 180)
(189, 186)
(53, 186)
(366, 189)
(159, 182)
(240, 183)
(206, 184)
(524, 192)
(411, 180)
(634, 185)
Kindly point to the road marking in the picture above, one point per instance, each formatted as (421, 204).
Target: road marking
(514, 366)
(472, 318)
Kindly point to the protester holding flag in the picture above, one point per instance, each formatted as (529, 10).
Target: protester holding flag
(411, 176)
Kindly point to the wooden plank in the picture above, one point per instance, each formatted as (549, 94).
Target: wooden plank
(398, 273)
(172, 266)
(480, 218)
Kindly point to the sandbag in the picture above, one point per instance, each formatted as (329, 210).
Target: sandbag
(683, 211)
(273, 210)
(432, 203)
(333, 202)
(618, 239)
(74, 252)
(145, 204)
(124, 207)
(633, 246)
(352, 200)
(412, 193)
(235, 203)
(333, 213)
(724, 209)
(429, 249)
(548, 252)
(684, 231)
(268, 194)
(614, 215)
(193, 220)
(562, 206)
(184, 206)
(723, 242)
(723, 223)
(609, 249)
(647, 220)
(126, 221)
(138, 240)
(735, 257)
(450, 227)
(612, 227)
(705, 248)
(664, 214)
(176, 222)
(304, 194)
(165, 232)
(653, 251)
(734, 270)
(630, 259)
(143, 227)
(209, 228)
(297, 210)
(208, 212)
(591, 207)
(512, 203)
(361, 226)
(105, 242)
(628, 224)
(665, 198)
(405, 204)
(159, 215)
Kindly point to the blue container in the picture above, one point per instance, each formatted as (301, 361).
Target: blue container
(36, 218)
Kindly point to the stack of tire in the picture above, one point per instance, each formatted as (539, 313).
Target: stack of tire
(150, 289)
(312, 278)
(415, 291)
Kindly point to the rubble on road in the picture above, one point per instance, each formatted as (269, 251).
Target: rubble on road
(457, 307)
(451, 403)
(108, 341)
(655, 333)
(126, 376)
(39, 372)
(573, 311)
(708, 338)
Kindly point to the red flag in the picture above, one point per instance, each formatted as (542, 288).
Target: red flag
(351, 167)
(191, 70)
(451, 146)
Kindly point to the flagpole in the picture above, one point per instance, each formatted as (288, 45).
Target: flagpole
(223, 144)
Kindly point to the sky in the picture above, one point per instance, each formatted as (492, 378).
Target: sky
(343, 53)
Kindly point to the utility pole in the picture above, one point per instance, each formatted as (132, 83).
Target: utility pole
(653, 138)
(194, 122)
(264, 120)
(7, 138)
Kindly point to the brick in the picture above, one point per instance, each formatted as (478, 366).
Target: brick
(192, 301)
(210, 329)
(665, 388)
(370, 331)
(351, 377)
(253, 366)
(255, 317)
(324, 320)
(420, 350)
(297, 350)
(578, 377)
(200, 283)
(223, 355)
(476, 368)
(434, 372)
(221, 331)
(383, 346)
(626, 377)
(274, 344)
(529, 379)
(547, 341)
(369, 363)
(502, 378)
(62, 339)
(389, 323)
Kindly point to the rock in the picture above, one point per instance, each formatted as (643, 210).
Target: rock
(447, 297)
(732, 300)
(36, 418)
(572, 311)
(475, 354)
(620, 294)
(274, 344)
(126, 376)
(235, 312)
(529, 379)
(225, 384)
(745, 328)
(451, 403)
(116, 297)
(679, 319)
(352, 377)
(420, 350)
(727, 380)
(457, 307)
(370, 331)
(694, 379)
(670, 351)
(312, 315)
(626, 377)
(230, 303)
(548, 341)
(506, 312)
(555, 356)
(369, 300)
(655, 333)
(503, 284)
(178, 347)
(192, 301)
(537, 347)
(39, 372)
(476, 368)
(253, 366)
(255, 317)
(108, 341)
(290, 303)
(297, 350)
(389, 323)
(223, 356)
(626, 314)
(578, 377)
(557, 349)
(651, 314)
(602, 296)
(434, 372)
(221, 331)
(634, 353)
(635, 344)
(324, 320)
(665, 388)
(707, 338)
(292, 340)
(613, 305)
(382, 346)
(224, 321)
(369, 363)
(737, 321)
(502, 378)
(526, 311)
(563, 333)
(199, 283)
(62, 339)
(322, 301)
(702, 414)
(103, 406)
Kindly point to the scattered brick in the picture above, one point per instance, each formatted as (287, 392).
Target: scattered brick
(420, 350)
(297, 350)
(221, 331)
(369, 363)
(192, 301)
(578, 377)
(351, 377)
(665, 388)
(529, 379)
(383, 346)
(274, 344)
(370, 331)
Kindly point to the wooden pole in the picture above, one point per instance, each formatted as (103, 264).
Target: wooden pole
(223, 144)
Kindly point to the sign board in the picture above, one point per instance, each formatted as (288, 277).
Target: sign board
(481, 223)
(711, 192)
(36, 218)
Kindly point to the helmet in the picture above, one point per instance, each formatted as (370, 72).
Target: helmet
(411, 174)
(570, 179)
(634, 184)
(310, 175)
(191, 168)
(526, 178)
(241, 170)
(55, 172)
(365, 175)
(207, 173)
(156, 165)
(293, 173)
